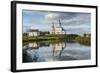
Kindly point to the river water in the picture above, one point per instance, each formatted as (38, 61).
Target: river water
(62, 51)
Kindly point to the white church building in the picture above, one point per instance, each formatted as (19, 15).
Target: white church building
(33, 32)
(57, 29)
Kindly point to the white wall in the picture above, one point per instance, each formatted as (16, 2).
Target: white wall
(5, 36)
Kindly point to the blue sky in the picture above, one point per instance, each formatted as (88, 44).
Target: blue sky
(34, 19)
(72, 22)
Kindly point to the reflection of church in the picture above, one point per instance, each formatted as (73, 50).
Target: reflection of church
(58, 48)
(44, 52)
(57, 29)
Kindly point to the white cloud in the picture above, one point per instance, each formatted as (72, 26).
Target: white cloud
(71, 22)
(67, 18)
(61, 15)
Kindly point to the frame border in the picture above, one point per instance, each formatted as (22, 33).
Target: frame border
(13, 35)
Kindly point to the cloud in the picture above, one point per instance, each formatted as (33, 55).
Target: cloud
(68, 18)
(72, 22)
(32, 12)
(54, 16)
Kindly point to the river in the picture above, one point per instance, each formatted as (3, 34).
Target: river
(62, 51)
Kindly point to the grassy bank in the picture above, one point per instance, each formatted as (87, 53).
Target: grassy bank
(59, 38)
(84, 40)
(44, 38)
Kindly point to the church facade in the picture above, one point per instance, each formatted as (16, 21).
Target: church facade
(57, 29)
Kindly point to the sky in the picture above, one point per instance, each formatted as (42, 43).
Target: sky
(72, 22)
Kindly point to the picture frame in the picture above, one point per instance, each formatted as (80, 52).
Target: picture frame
(78, 54)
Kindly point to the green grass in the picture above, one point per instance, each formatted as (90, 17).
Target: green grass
(84, 40)
(59, 38)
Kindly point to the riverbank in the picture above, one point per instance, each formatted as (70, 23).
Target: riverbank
(59, 38)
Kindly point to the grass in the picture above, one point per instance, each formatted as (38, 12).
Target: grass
(59, 38)
(84, 40)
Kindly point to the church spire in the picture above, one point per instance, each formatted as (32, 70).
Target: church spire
(59, 23)
(53, 28)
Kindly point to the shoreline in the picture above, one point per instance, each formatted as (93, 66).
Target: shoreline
(58, 38)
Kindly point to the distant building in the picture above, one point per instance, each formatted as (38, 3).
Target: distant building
(72, 35)
(33, 32)
(44, 33)
(57, 29)
(24, 34)
(87, 35)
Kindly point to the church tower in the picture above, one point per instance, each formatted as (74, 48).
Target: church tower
(57, 28)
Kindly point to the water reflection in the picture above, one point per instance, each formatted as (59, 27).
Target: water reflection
(62, 51)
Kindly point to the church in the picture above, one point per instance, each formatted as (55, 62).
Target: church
(57, 29)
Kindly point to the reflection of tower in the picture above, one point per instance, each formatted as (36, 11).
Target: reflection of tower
(58, 48)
